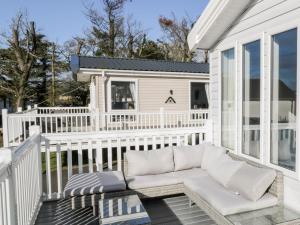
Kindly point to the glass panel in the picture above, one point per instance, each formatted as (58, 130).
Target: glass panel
(251, 99)
(228, 99)
(123, 95)
(199, 95)
(283, 99)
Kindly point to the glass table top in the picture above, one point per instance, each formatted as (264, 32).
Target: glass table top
(123, 210)
(267, 216)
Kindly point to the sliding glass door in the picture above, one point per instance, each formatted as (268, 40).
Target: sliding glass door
(228, 114)
(251, 99)
(283, 99)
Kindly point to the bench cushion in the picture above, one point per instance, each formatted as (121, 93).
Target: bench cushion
(252, 182)
(211, 155)
(224, 169)
(150, 162)
(94, 183)
(188, 157)
(149, 181)
(224, 200)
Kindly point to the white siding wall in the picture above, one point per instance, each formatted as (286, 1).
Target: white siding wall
(258, 22)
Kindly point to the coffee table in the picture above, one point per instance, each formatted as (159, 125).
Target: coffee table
(125, 210)
(278, 215)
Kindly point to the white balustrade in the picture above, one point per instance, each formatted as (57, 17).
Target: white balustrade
(80, 119)
(98, 151)
(21, 182)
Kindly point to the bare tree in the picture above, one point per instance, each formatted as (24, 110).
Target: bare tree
(18, 59)
(176, 33)
(107, 29)
(133, 38)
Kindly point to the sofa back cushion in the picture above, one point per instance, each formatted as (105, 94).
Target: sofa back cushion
(252, 182)
(211, 155)
(224, 169)
(188, 157)
(149, 162)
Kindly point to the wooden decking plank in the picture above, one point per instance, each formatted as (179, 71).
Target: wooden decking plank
(165, 211)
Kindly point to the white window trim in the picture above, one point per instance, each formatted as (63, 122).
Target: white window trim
(232, 45)
(189, 95)
(258, 37)
(136, 108)
(269, 33)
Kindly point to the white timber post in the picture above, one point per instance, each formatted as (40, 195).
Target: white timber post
(209, 128)
(6, 156)
(162, 117)
(34, 130)
(19, 109)
(29, 107)
(97, 119)
(5, 127)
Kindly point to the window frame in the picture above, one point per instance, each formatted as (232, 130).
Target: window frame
(190, 89)
(269, 34)
(250, 39)
(234, 46)
(118, 79)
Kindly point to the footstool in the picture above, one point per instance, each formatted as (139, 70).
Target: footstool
(94, 183)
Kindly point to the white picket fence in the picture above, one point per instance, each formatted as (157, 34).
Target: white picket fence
(81, 119)
(21, 182)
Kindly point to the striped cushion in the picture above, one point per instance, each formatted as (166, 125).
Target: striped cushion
(94, 183)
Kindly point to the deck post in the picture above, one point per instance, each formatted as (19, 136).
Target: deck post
(5, 127)
(19, 109)
(29, 107)
(97, 119)
(162, 117)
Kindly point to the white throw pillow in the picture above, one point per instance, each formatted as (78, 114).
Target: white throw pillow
(149, 162)
(188, 157)
(224, 169)
(211, 155)
(252, 182)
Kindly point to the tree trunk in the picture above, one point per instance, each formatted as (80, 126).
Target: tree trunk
(53, 76)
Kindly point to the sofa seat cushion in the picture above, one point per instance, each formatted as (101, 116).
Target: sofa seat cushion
(150, 162)
(149, 181)
(224, 200)
(188, 157)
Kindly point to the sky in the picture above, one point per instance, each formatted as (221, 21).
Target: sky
(61, 20)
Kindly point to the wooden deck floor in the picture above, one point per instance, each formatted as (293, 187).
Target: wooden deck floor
(167, 211)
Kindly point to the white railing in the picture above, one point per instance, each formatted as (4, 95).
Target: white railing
(104, 151)
(60, 110)
(80, 119)
(21, 182)
(21, 179)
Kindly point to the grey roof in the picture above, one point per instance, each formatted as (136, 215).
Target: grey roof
(78, 62)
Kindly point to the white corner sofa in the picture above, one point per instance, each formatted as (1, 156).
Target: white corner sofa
(219, 183)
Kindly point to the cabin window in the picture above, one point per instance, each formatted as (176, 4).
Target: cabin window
(228, 115)
(199, 95)
(123, 95)
(283, 99)
(251, 99)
